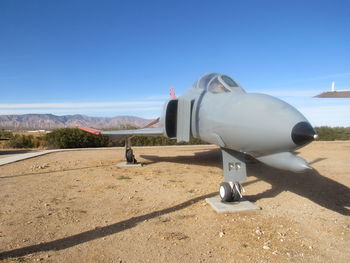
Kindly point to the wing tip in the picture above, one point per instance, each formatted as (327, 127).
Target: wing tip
(89, 130)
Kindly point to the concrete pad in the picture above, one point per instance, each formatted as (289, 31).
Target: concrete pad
(231, 207)
(125, 164)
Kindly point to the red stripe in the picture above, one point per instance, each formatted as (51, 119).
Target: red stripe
(96, 132)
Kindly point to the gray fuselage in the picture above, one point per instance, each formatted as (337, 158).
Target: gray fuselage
(252, 123)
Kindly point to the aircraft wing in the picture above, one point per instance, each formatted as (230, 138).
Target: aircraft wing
(138, 132)
(127, 133)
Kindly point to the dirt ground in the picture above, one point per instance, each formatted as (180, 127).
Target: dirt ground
(79, 207)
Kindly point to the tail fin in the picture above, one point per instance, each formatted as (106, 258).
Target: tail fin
(172, 93)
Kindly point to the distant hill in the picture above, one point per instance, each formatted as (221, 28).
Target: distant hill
(50, 121)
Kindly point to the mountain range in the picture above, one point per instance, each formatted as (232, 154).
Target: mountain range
(49, 122)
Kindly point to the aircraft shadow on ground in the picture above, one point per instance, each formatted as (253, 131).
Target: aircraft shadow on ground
(311, 184)
(100, 232)
(211, 158)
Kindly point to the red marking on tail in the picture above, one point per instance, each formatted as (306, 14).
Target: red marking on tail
(96, 132)
(172, 93)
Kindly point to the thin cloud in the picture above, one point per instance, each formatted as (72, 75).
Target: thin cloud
(327, 115)
(158, 97)
(144, 107)
(72, 105)
(78, 111)
(331, 76)
(291, 92)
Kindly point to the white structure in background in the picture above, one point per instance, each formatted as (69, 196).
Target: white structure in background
(334, 93)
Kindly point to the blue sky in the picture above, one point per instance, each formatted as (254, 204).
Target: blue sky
(110, 58)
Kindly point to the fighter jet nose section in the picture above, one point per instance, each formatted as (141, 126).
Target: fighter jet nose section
(303, 133)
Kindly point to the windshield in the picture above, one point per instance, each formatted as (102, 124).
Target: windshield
(217, 83)
(230, 82)
(202, 83)
(215, 86)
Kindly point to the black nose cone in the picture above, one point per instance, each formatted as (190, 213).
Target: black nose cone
(303, 133)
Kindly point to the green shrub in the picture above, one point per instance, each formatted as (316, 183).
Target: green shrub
(5, 134)
(326, 133)
(74, 138)
(22, 141)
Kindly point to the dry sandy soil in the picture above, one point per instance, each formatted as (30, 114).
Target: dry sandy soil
(79, 207)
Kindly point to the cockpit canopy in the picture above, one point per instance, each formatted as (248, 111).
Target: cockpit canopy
(217, 83)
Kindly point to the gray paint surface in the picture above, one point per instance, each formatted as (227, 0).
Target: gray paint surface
(252, 124)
